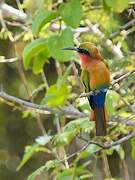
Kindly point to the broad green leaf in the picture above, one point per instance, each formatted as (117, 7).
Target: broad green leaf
(42, 140)
(133, 148)
(42, 18)
(39, 62)
(82, 124)
(33, 49)
(52, 164)
(65, 175)
(29, 152)
(117, 6)
(57, 42)
(92, 148)
(64, 138)
(71, 12)
(69, 174)
(112, 100)
(56, 95)
(83, 155)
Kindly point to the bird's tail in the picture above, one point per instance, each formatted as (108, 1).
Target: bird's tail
(98, 112)
(100, 121)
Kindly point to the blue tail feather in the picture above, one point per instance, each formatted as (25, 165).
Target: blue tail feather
(98, 100)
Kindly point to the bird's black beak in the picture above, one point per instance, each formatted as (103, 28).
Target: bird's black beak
(71, 48)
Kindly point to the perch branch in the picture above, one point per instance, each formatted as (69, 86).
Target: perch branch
(11, 12)
(112, 84)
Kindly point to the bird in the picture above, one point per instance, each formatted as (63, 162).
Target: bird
(95, 76)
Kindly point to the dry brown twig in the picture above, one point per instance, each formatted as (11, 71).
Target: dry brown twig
(102, 147)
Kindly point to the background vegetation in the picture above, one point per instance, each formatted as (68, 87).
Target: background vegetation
(45, 132)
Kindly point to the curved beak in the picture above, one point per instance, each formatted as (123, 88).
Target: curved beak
(71, 48)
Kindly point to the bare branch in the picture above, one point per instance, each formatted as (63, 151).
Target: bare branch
(69, 111)
(10, 12)
(123, 77)
(10, 60)
(120, 141)
(102, 147)
(125, 26)
(24, 103)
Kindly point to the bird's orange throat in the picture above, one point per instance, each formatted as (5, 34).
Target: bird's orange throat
(84, 58)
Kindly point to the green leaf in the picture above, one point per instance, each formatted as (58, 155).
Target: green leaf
(36, 173)
(41, 19)
(72, 173)
(112, 100)
(42, 140)
(56, 96)
(118, 149)
(29, 151)
(62, 80)
(49, 165)
(39, 62)
(133, 148)
(83, 155)
(33, 49)
(117, 6)
(64, 138)
(71, 13)
(92, 148)
(83, 124)
(57, 42)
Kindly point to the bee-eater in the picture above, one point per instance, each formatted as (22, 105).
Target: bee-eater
(95, 77)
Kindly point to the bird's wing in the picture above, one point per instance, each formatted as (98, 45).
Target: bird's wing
(85, 79)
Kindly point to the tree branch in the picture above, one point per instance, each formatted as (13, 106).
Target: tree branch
(10, 60)
(125, 26)
(69, 111)
(122, 77)
(102, 147)
(10, 12)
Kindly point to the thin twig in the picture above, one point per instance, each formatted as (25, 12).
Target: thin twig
(123, 77)
(125, 26)
(118, 142)
(10, 60)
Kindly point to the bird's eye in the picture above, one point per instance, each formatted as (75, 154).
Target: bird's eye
(83, 51)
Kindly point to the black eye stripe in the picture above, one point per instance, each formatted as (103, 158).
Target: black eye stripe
(83, 51)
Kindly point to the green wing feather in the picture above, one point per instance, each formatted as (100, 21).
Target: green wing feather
(85, 79)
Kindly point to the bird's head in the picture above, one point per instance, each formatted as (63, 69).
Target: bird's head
(87, 51)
